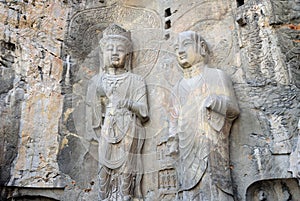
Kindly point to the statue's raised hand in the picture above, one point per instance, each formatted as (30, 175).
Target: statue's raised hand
(211, 101)
(126, 103)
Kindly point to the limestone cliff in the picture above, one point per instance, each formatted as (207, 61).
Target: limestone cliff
(49, 52)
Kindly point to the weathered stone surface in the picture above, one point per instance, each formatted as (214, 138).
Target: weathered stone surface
(285, 189)
(31, 96)
(49, 52)
(202, 109)
(285, 19)
(10, 104)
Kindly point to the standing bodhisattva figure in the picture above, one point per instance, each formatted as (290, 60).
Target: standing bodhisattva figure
(118, 100)
(202, 111)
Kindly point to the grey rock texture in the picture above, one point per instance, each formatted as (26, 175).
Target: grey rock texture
(49, 52)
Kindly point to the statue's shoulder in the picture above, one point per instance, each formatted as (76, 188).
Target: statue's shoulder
(212, 70)
(216, 73)
(136, 77)
(94, 82)
(176, 89)
(96, 77)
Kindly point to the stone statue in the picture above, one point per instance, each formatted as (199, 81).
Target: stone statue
(118, 99)
(203, 107)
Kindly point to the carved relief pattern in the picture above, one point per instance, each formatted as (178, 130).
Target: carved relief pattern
(285, 11)
(167, 181)
(167, 174)
(208, 14)
(161, 152)
(276, 117)
(286, 18)
(93, 21)
(260, 47)
(266, 49)
(278, 189)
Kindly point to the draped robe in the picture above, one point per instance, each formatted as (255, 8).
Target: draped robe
(202, 133)
(119, 129)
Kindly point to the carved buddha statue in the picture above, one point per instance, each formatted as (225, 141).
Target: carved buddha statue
(118, 99)
(203, 107)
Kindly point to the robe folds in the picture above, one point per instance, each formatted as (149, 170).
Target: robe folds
(119, 128)
(203, 108)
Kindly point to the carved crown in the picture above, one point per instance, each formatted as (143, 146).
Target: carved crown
(115, 30)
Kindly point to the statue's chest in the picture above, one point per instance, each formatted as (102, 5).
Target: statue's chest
(192, 92)
(115, 89)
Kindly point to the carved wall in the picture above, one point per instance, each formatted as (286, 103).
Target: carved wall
(49, 53)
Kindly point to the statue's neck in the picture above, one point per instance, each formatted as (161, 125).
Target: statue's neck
(194, 70)
(116, 71)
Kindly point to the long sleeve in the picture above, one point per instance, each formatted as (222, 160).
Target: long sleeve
(222, 107)
(94, 102)
(140, 104)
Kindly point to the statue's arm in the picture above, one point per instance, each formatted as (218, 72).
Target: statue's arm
(173, 127)
(95, 94)
(222, 106)
(232, 108)
(224, 102)
(140, 107)
(138, 104)
(173, 120)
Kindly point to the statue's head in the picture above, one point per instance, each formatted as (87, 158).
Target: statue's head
(116, 46)
(190, 49)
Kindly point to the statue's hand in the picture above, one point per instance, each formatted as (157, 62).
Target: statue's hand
(126, 103)
(100, 91)
(210, 101)
(173, 146)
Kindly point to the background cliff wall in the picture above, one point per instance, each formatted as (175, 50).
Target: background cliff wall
(49, 52)
(32, 35)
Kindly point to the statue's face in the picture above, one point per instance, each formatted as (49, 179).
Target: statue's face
(186, 51)
(115, 53)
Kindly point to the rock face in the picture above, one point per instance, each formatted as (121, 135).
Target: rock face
(50, 52)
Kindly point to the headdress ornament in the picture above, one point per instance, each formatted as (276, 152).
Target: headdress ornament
(115, 31)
